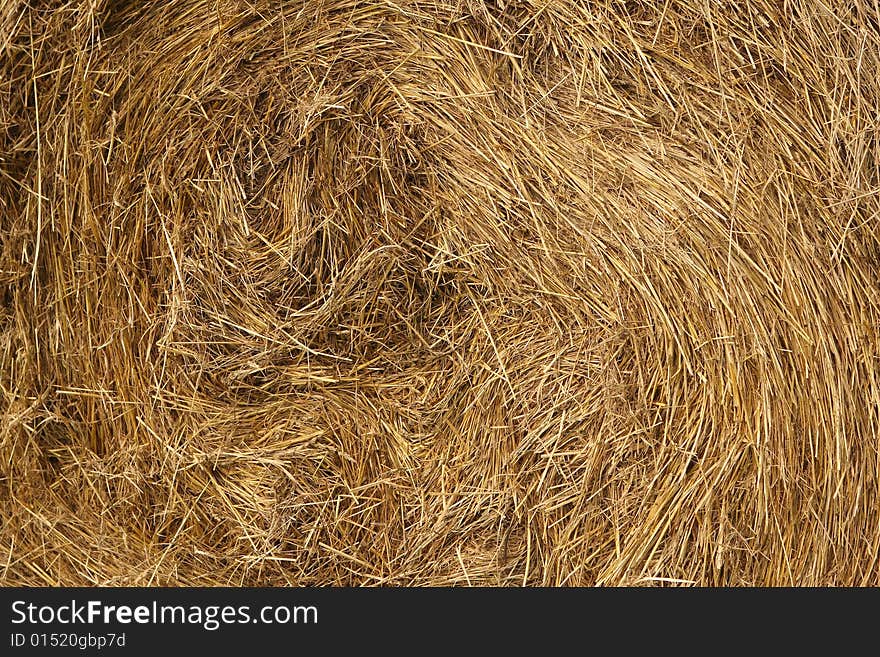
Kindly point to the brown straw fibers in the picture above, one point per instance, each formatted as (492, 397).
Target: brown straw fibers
(465, 292)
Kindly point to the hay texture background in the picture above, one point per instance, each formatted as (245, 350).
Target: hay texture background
(546, 292)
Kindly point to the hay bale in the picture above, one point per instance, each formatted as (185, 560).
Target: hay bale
(419, 293)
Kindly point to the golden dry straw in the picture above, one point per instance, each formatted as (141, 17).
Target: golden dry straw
(398, 292)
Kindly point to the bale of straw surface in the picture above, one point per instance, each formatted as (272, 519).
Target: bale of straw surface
(545, 292)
